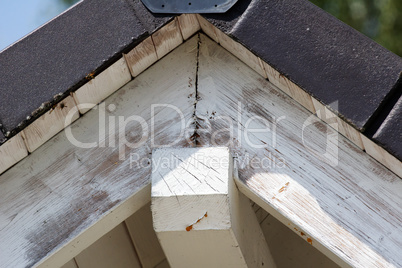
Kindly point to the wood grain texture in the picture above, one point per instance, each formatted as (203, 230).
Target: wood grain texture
(144, 238)
(141, 57)
(167, 38)
(49, 124)
(114, 249)
(351, 211)
(61, 191)
(290, 88)
(188, 25)
(208, 28)
(102, 86)
(101, 227)
(11, 152)
(346, 203)
(249, 234)
(199, 216)
(382, 156)
(240, 52)
(342, 127)
(182, 186)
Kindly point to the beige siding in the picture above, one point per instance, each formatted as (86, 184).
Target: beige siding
(144, 238)
(287, 248)
(70, 264)
(115, 249)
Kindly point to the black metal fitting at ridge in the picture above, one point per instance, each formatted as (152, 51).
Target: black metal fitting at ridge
(188, 6)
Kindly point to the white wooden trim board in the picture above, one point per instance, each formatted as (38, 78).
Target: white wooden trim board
(351, 212)
(59, 191)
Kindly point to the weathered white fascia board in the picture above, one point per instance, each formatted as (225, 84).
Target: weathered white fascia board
(154, 48)
(301, 96)
(296, 167)
(199, 216)
(62, 197)
(356, 206)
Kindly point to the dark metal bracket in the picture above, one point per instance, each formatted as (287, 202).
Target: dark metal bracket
(189, 6)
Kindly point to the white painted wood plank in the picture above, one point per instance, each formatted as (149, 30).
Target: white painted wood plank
(199, 216)
(61, 191)
(240, 52)
(341, 126)
(167, 38)
(101, 227)
(188, 25)
(114, 249)
(141, 57)
(289, 224)
(288, 249)
(382, 156)
(348, 205)
(144, 238)
(289, 87)
(102, 86)
(70, 264)
(11, 152)
(179, 178)
(207, 28)
(49, 124)
(249, 234)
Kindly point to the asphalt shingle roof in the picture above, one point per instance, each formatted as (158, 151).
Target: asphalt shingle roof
(325, 57)
(56, 58)
(389, 135)
(330, 60)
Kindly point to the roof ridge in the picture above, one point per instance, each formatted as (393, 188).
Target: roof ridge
(244, 15)
(72, 56)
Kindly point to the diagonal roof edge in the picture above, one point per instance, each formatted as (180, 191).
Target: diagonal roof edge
(236, 23)
(65, 170)
(42, 68)
(322, 55)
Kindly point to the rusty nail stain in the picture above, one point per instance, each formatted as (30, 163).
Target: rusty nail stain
(90, 76)
(52, 109)
(303, 234)
(190, 227)
(310, 241)
(284, 187)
